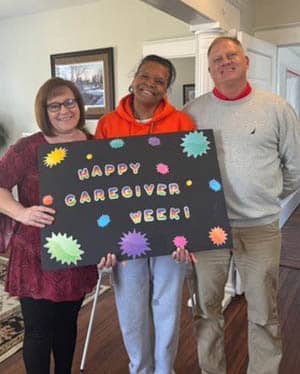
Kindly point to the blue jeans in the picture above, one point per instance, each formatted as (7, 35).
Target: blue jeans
(148, 296)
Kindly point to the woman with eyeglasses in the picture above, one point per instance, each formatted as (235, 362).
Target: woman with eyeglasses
(50, 300)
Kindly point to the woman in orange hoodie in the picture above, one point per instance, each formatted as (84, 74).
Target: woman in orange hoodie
(148, 290)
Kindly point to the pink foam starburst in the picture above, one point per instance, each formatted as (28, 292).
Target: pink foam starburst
(180, 241)
(162, 168)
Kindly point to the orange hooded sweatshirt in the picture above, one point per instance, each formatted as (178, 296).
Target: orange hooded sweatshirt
(121, 122)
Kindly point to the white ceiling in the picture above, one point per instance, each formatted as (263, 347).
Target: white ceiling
(179, 10)
(15, 8)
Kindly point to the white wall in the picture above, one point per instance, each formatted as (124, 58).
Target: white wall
(287, 60)
(27, 42)
(285, 35)
(248, 16)
(293, 91)
(278, 21)
(185, 68)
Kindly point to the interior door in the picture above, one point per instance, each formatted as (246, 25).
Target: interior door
(263, 61)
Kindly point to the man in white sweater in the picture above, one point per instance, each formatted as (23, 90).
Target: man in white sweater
(258, 143)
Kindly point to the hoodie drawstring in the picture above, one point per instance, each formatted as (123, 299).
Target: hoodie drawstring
(151, 128)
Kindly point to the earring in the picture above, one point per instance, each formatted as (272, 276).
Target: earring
(130, 89)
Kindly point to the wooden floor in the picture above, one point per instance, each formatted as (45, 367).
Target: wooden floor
(106, 354)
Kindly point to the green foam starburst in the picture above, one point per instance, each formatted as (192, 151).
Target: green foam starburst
(63, 249)
(195, 144)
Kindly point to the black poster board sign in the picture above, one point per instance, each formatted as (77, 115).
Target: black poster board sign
(135, 197)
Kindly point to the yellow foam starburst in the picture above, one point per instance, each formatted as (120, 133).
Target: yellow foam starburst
(55, 157)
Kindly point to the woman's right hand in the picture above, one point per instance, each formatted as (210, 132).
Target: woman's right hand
(183, 255)
(107, 262)
(36, 215)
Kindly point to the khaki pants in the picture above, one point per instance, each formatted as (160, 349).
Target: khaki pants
(256, 254)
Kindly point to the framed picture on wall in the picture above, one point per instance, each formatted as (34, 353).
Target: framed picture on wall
(93, 73)
(188, 92)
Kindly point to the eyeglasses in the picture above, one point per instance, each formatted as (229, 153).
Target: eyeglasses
(55, 107)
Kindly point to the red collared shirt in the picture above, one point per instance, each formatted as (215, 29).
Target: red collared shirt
(244, 93)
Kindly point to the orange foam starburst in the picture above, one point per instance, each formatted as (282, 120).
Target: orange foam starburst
(217, 235)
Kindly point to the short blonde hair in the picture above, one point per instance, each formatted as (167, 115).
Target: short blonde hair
(222, 38)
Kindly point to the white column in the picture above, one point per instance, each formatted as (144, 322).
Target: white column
(204, 35)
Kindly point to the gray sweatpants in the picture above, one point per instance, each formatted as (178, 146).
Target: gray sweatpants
(148, 295)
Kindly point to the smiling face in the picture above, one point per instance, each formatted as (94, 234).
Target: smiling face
(150, 84)
(65, 120)
(228, 65)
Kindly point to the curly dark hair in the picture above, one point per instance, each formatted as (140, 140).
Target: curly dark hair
(162, 61)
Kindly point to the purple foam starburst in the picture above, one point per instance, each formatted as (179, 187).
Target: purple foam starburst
(154, 141)
(134, 244)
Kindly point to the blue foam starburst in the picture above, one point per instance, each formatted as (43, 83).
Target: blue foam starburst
(195, 144)
(103, 220)
(134, 244)
(215, 185)
(117, 143)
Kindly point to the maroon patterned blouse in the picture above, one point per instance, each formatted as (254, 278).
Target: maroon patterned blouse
(25, 276)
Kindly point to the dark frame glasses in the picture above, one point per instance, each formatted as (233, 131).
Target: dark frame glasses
(56, 107)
